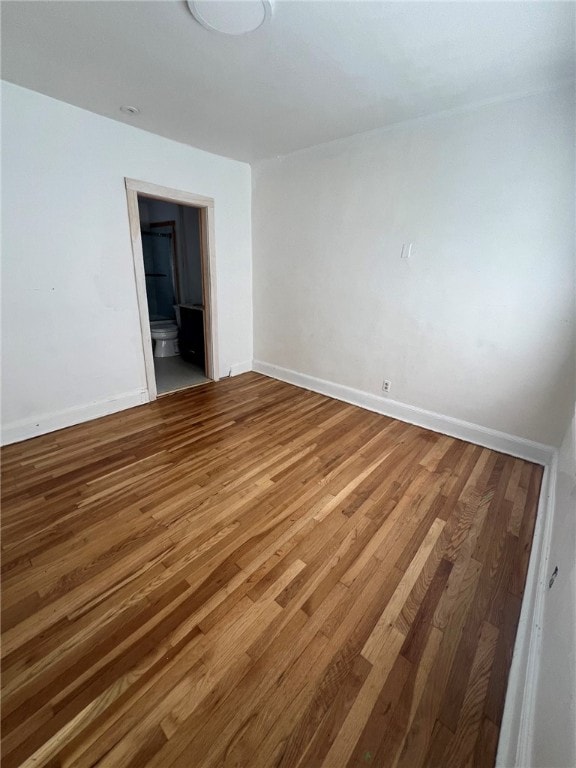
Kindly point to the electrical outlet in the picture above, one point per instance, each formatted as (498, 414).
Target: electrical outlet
(386, 385)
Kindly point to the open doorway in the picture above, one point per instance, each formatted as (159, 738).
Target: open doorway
(172, 252)
(171, 246)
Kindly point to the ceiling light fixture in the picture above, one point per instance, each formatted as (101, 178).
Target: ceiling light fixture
(130, 110)
(231, 17)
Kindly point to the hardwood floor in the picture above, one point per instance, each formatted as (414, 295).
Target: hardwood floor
(249, 574)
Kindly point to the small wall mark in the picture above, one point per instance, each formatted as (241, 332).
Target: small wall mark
(553, 579)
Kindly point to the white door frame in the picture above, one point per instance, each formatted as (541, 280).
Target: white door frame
(206, 206)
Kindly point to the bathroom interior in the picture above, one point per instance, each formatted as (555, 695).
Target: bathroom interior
(171, 245)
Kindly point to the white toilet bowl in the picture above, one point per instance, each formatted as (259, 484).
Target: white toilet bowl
(165, 338)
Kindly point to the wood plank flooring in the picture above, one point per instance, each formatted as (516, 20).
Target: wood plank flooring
(249, 574)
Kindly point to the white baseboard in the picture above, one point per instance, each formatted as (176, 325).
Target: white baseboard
(447, 425)
(50, 422)
(238, 368)
(515, 747)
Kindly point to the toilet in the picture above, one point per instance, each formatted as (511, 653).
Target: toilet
(165, 338)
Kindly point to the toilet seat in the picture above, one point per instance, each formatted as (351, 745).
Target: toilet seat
(167, 332)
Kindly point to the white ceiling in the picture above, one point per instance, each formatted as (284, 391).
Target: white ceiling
(319, 71)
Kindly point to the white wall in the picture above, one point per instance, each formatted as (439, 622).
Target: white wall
(554, 730)
(479, 323)
(71, 344)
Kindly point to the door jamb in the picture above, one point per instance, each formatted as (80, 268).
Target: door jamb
(206, 206)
